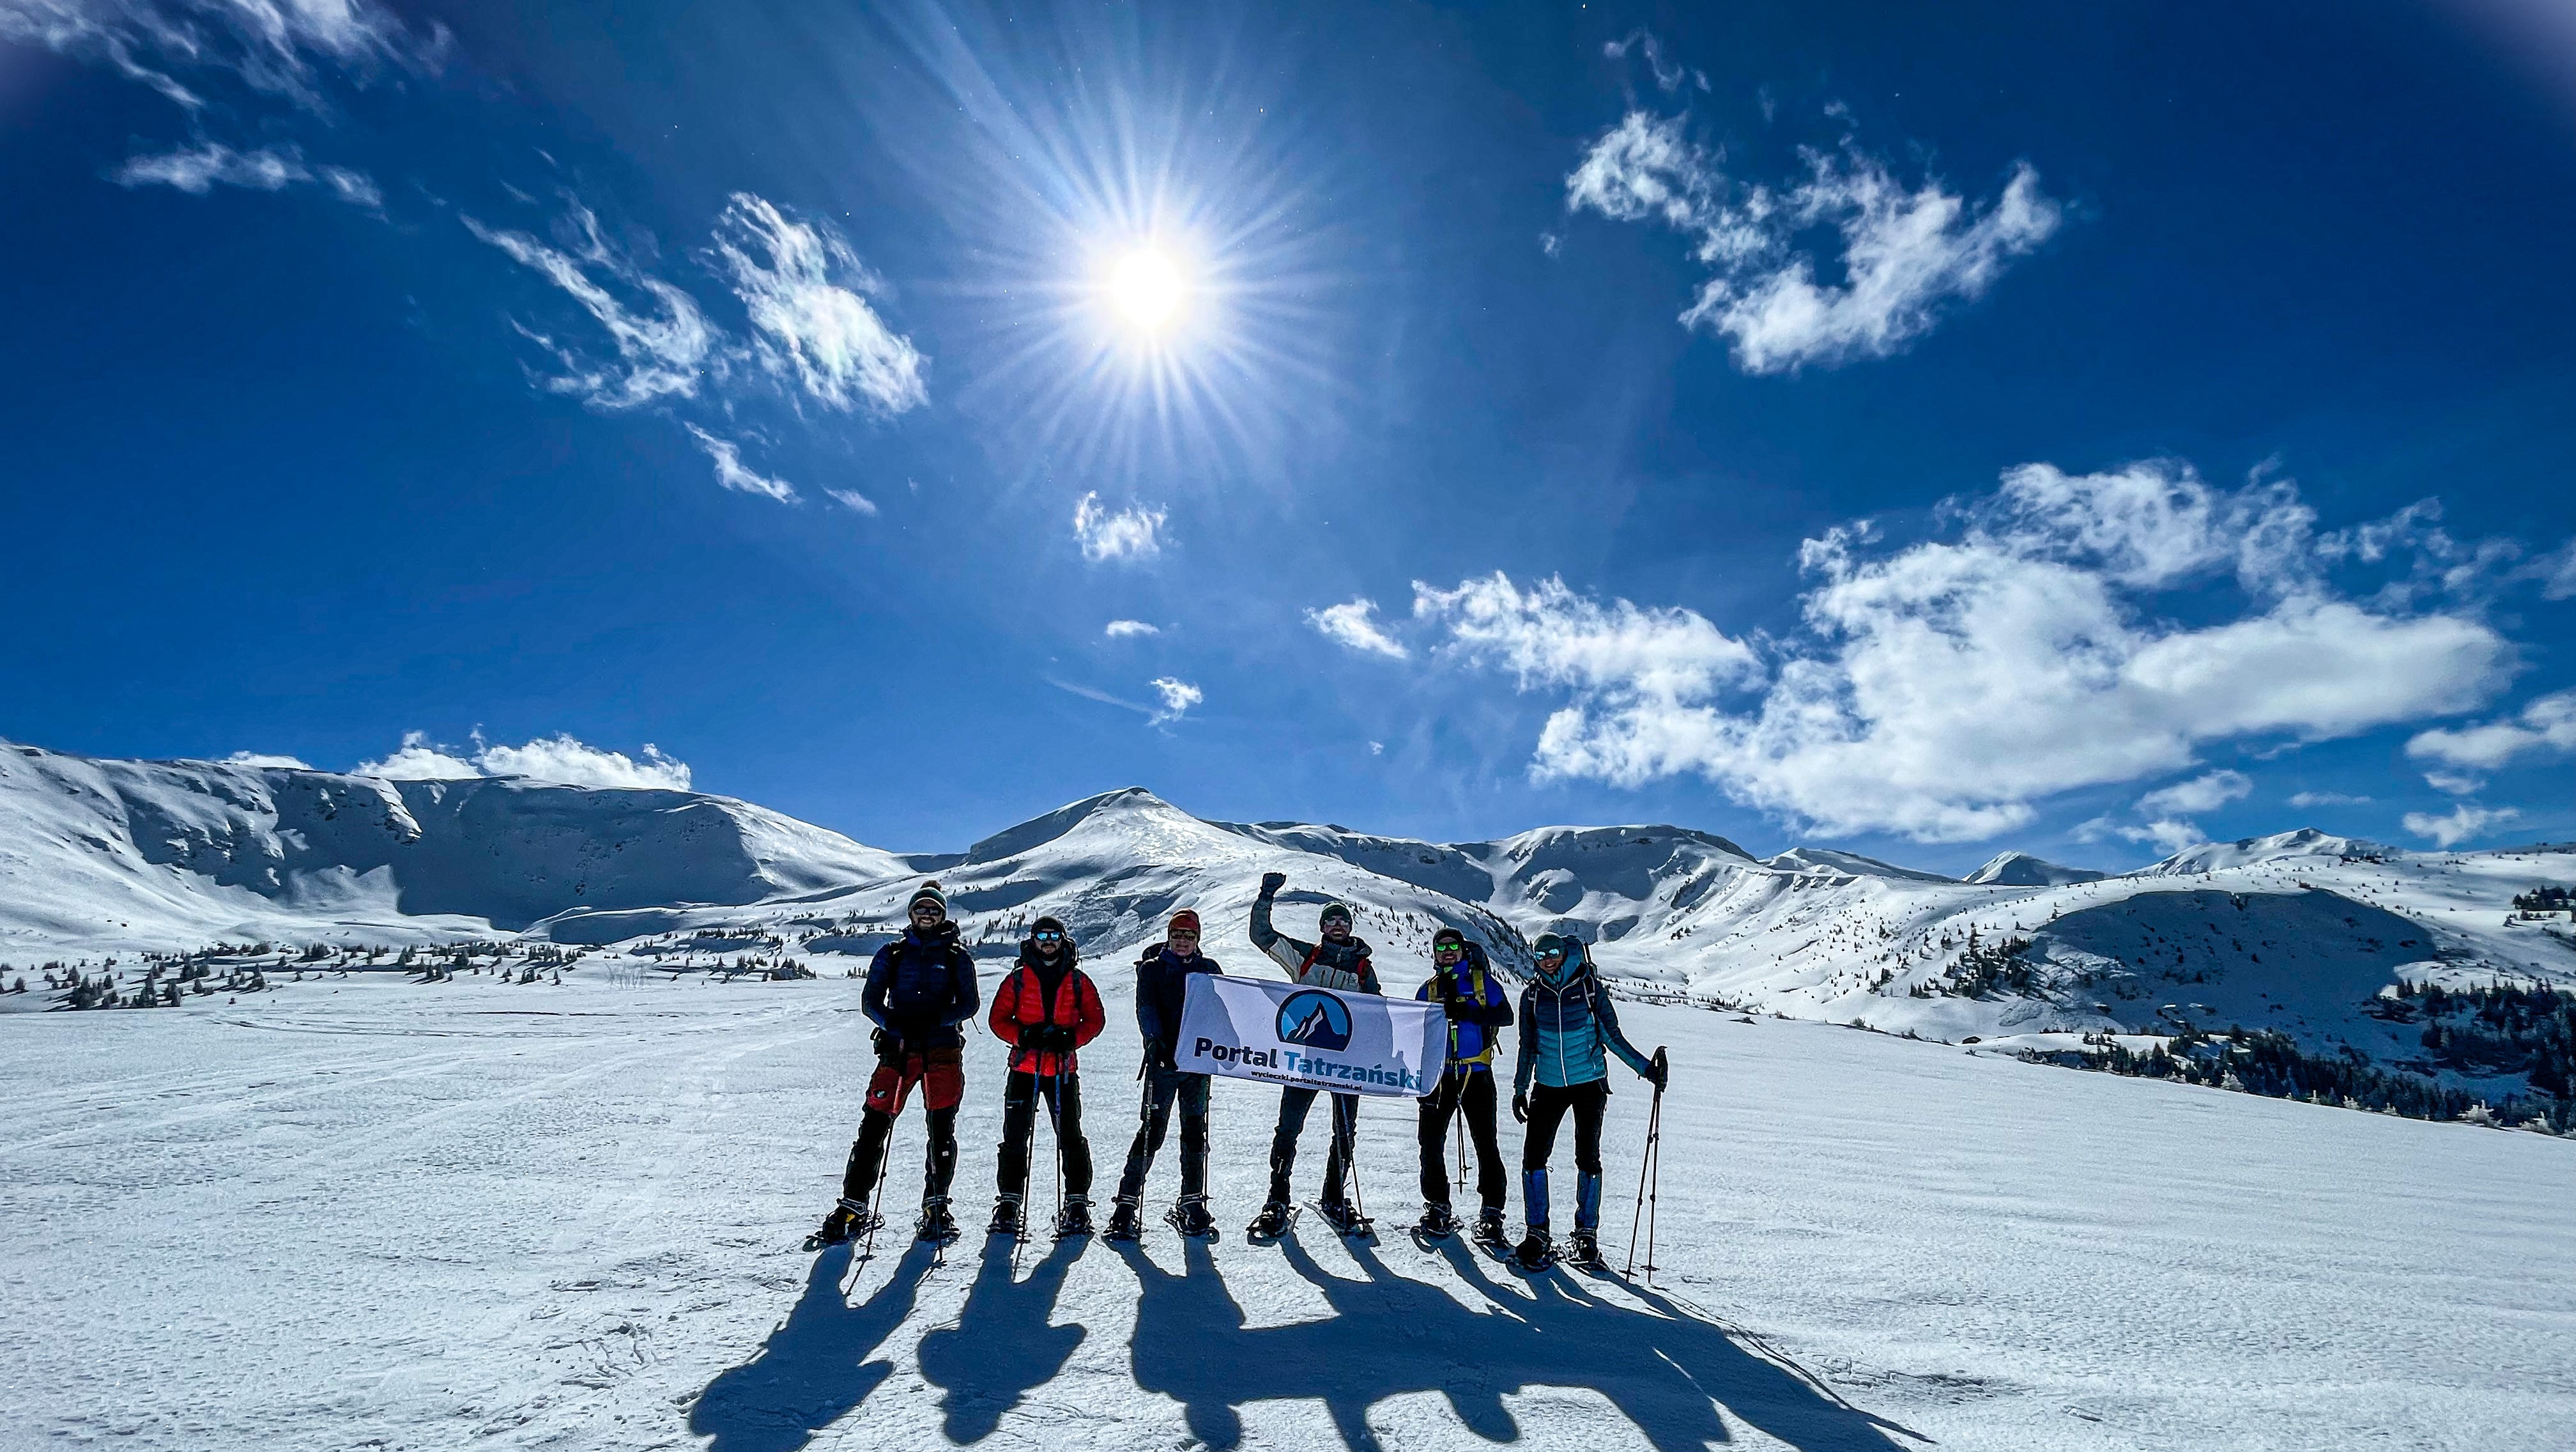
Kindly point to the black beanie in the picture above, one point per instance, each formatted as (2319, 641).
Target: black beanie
(1046, 922)
(928, 892)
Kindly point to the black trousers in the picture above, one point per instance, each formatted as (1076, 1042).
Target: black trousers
(1293, 1104)
(1022, 1093)
(1470, 1092)
(859, 1180)
(1165, 1088)
(1547, 1109)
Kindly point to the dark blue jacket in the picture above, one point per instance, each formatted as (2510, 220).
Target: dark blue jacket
(920, 988)
(1569, 1029)
(1162, 984)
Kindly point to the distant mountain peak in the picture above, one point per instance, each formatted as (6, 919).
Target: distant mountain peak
(1850, 864)
(2021, 869)
(2304, 842)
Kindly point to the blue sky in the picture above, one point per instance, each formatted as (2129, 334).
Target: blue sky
(2078, 429)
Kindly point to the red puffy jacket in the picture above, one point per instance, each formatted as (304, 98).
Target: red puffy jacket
(1020, 1003)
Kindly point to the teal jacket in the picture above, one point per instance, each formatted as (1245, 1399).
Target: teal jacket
(1569, 1029)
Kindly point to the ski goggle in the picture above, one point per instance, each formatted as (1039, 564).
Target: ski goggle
(1046, 936)
(1452, 949)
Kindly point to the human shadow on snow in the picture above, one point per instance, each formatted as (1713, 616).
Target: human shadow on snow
(809, 1374)
(1002, 1347)
(1665, 1368)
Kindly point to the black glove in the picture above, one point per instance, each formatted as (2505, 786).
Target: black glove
(1520, 1107)
(1271, 882)
(1659, 1071)
(1046, 1038)
(889, 1046)
(1458, 1009)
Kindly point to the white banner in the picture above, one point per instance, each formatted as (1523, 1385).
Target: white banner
(1315, 1038)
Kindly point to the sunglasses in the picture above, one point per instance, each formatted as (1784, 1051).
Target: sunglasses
(1450, 948)
(1045, 937)
(1183, 933)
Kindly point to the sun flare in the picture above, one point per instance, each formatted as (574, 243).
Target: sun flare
(1146, 289)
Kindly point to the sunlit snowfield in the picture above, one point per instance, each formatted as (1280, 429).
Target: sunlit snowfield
(366, 1213)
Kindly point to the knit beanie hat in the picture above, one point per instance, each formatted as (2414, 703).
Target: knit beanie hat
(1185, 918)
(1334, 910)
(1447, 935)
(929, 892)
(1044, 923)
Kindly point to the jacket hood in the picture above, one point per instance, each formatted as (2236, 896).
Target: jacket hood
(1571, 967)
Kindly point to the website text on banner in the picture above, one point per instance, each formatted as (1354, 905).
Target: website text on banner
(1316, 1038)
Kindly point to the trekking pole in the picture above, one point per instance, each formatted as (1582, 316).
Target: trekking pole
(1462, 1138)
(1351, 1163)
(876, 1197)
(1649, 1176)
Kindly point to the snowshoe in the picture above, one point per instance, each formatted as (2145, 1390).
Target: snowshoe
(1489, 1232)
(1006, 1217)
(1583, 1251)
(1273, 1221)
(1436, 1223)
(1190, 1217)
(846, 1223)
(1534, 1254)
(1074, 1220)
(1124, 1222)
(936, 1225)
(1351, 1224)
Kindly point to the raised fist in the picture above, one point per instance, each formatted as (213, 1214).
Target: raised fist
(1271, 882)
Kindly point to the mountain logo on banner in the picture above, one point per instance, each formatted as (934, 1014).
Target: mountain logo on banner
(1317, 1020)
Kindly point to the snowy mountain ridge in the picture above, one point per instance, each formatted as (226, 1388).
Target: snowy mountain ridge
(2301, 932)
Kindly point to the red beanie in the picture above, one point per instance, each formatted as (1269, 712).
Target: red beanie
(1185, 918)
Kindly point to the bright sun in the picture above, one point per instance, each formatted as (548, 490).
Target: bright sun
(1146, 289)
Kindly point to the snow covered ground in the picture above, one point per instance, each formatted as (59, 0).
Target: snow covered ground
(363, 1212)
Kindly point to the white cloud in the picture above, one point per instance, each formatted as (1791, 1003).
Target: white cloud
(1902, 253)
(733, 474)
(2200, 794)
(808, 325)
(1353, 624)
(1178, 697)
(1377, 748)
(2558, 573)
(418, 760)
(853, 500)
(270, 45)
(2305, 800)
(557, 758)
(663, 340)
(1133, 533)
(1668, 74)
(262, 758)
(199, 169)
(2455, 783)
(1940, 690)
(2547, 724)
(2459, 824)
(2169, 834)
(1129, 629)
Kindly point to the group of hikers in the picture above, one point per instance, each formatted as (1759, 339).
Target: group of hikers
(921, 990)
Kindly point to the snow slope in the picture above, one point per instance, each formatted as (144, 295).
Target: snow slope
(356, 1212)
(103, 854)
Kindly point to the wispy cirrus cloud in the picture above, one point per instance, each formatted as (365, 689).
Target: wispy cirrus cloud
(807, 294)
(280, 47)
(1903, 251)
(1129, 629)
(1941, 690)
(199, 169)
(1130, 534)
(662, 340)
(1353, 623)
(556, 758)
(734, 475)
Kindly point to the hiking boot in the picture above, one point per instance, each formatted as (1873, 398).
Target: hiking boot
(1075, 1218)
(1125, 1222)
(1436, 1223)
(1191, 1218)
(847, 1222)
(1489, 1230)
(1344, 1219)
(1533, 1253)
(935, 1224)
(1006, 1217)
(1583, 1250)
(1272, 1222)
